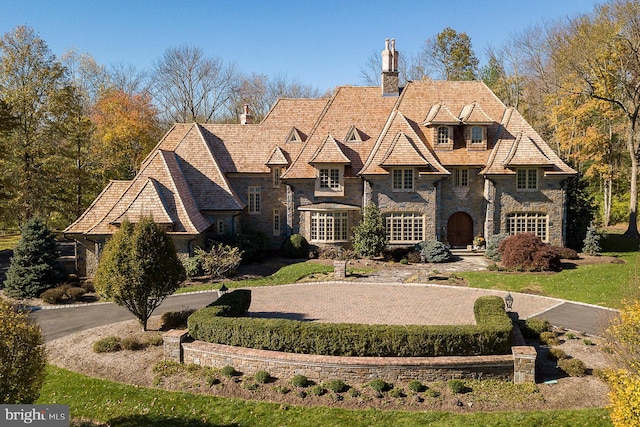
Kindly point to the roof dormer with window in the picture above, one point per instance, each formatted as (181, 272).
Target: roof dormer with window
(441, 121)
(329, 161)
(476, 123)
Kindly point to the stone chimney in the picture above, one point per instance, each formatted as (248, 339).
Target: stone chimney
(389, 78)
(246, 118)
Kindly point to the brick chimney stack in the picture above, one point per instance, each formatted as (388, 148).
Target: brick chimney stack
(389, 78)
(246, 118)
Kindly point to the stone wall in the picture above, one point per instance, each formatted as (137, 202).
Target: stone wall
(520, 366)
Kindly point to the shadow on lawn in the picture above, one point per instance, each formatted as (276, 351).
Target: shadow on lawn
(161, 421)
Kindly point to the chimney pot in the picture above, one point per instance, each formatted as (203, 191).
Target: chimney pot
(246, 118)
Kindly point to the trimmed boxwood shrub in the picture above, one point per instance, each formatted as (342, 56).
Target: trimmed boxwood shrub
(491, 335)
(237, 301)
(295, 246)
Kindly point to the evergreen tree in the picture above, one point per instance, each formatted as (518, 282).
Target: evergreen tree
(139, 268)
(592, 241)
(580, 211)
(34, 266)
(370, 236)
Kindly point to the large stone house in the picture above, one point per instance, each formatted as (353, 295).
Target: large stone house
(442, 160)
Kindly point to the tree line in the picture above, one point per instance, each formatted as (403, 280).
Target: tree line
(68, 125)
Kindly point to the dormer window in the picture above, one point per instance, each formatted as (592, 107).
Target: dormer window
(353, 135)
(443, 134)
(329, 180)
(477, 135)
(402, 179)
(527, 179)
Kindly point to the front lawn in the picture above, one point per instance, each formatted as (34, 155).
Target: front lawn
(9, 241)
(601, 284)
(125, 405)
(287, 274)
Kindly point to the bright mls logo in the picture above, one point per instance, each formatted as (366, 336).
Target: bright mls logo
(37, 415)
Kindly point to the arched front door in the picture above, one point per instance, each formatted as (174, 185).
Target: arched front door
(460, 229)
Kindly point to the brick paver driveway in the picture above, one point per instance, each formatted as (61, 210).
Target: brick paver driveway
(376, 303)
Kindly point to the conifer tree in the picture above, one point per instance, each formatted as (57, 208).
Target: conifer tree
(370, 236)
(34, 266)
(592, 241)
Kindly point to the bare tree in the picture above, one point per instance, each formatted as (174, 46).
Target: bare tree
(190, 87)
(129, 79)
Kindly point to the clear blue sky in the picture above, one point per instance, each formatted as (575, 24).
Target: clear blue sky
(323, 43)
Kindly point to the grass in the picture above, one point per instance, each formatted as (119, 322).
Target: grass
(600, 284)
(287, 274)
(125, 405)
(9, 241)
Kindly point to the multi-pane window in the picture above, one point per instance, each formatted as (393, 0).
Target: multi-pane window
(477, 136)
(330, 178)
(527, 179)
(255, 204)
(443, 135)
(329, 226)
(275, 175)
(220, 226)
(460, 177)
(528, 222)
(402, 179)
(405, 227)
(276, 222)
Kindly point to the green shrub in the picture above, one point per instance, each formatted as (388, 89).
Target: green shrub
(404, 261)
(281, 389)
(175, 319)
(193, 266)
(229, 371)
(433, 251)
(336, 386)
(533, 327)
(549, 338)
(457, 387)
(432, 393)
(491, 335)
(295, 246)
(220, 261)
(573, 367)
(131, 343)
(34, 266)
(238, 302)
(493, 244)
(526, 252)
(262, 377)
(107, 345)
(379, 385)
(317, 390)
(397, 392)
(22, 356)
(587, 342)
(416, 386)
(570, 336)
(155, 340)
(53, 296)
(251, 386)
(556, 354)
(254, 245)
(370, 235)
(413, 257)
(592, 245)
(300, 381)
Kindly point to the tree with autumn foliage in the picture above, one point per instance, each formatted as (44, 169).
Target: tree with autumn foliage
(127, 128)
(602, 51)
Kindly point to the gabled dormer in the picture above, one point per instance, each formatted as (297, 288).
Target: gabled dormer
(403, 161)
(476, 124)
(353, 135)
(329, 161)
(441, 121)
(294, 136)
(277, 162)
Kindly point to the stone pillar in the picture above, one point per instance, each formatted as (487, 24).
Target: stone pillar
(489, 195)
(524, 364)
(340, 269)
(172, 344)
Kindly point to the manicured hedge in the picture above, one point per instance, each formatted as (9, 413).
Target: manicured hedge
(492, 335)
(237, 303)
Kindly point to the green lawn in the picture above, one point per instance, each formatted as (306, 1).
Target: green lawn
(287, 274)
(600, 284)
(126, 405)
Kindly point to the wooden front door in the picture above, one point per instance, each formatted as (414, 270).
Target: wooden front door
(460, 229)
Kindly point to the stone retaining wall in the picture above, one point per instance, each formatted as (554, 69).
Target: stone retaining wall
(520, 366)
